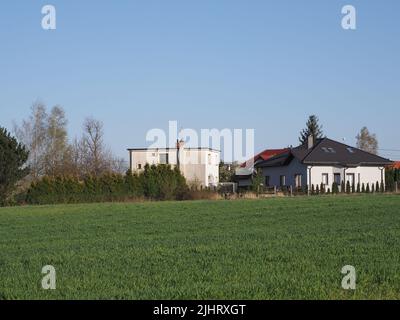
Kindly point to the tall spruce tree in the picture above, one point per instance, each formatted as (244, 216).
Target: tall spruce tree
(312, 128)
(13, 157)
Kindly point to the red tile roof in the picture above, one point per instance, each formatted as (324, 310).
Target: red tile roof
(265, 155)
(395, 165)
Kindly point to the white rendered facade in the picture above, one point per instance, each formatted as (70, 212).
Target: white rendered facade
(199, 166)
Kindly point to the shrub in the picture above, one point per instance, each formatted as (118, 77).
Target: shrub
(155, 182)
(348, 188)
(335, 188)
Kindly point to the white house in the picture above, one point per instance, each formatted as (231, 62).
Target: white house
(198, 165)
(322, 161)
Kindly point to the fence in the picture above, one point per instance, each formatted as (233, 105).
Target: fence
(323, 190)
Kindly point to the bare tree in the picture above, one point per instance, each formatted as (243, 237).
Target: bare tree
(119, 165)
(32, 133)
(367, 141)
(78, 163)
(57, 148)
(97, 156)
(46, 137)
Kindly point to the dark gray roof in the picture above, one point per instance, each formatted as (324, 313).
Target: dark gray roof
(277, 161)
(158, 149)
(328, 152)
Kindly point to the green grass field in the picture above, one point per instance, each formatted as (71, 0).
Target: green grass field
(278, 248)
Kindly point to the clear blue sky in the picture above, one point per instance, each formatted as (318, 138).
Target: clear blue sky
(262, 64)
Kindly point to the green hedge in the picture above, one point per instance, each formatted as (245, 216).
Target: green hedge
(392, 177)
(154, 182)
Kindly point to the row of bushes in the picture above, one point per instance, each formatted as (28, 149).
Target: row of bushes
(348, 188)
(392, 177)
(154, 182)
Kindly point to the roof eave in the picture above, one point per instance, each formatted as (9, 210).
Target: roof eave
(360, 164)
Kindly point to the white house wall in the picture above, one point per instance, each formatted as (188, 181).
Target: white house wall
(361, 174)
(200, 166)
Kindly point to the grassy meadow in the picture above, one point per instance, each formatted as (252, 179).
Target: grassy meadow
(278, 248)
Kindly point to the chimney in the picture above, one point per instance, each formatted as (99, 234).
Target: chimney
(310, 141)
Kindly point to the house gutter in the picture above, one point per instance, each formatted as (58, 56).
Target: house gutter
(178, 161)
(310, 180)
(382, 169)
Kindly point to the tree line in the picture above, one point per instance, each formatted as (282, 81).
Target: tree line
(40, 148)
(39, 164)
(51, 153)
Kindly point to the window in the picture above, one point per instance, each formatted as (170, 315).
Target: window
(267, 181)
(139, 166)
(325, 179)
(282, 181)
(209, 159)
(337, 178)
(164, 158)
(328, 150)
(297, 180)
